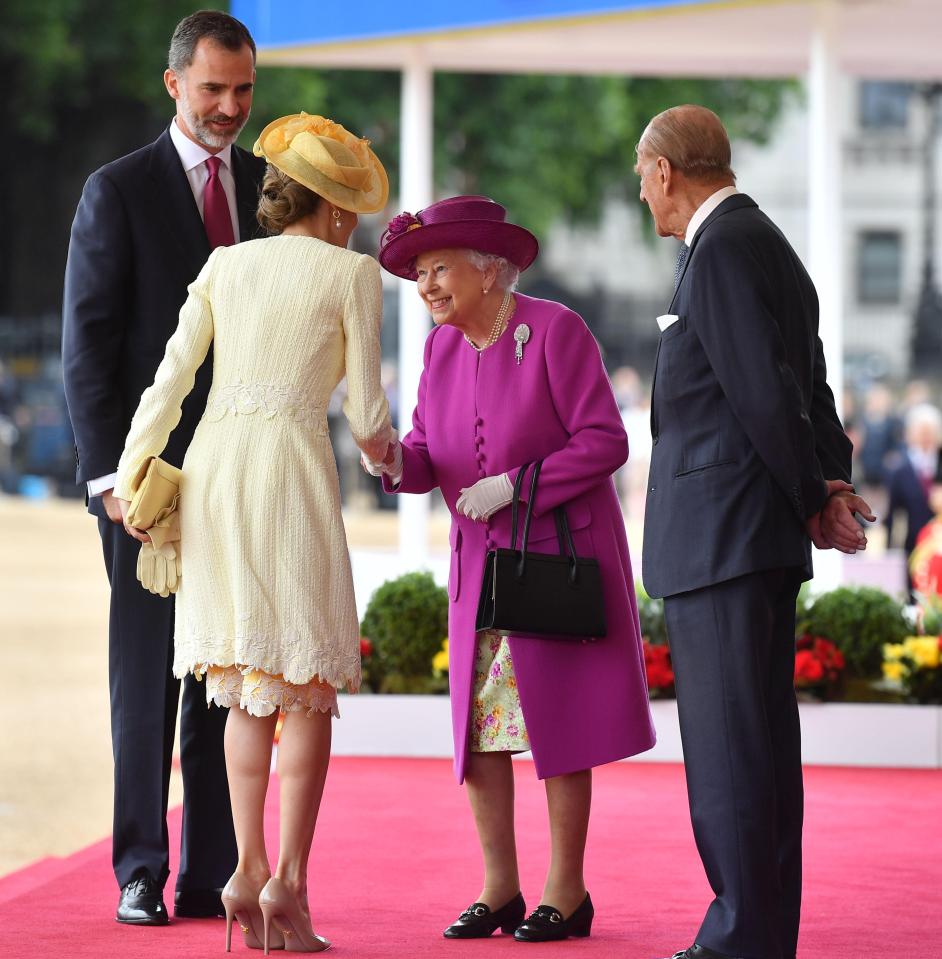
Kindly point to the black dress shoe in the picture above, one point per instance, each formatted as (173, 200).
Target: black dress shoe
(142, 903)
(548, 925)
(478, 921)
(696, 951)
(198, 904)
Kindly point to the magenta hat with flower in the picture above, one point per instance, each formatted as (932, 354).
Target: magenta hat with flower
(460, 222)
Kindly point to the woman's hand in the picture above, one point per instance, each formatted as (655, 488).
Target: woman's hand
(486, 497)
(124, 505)
(391, 464)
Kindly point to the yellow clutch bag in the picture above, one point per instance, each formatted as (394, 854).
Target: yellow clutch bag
(156, 494)
(156, 491)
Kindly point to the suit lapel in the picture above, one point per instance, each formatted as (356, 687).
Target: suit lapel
(735, 202)
(247, 188)
(177, 206)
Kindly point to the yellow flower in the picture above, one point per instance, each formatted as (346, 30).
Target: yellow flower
(892, 652)
(894, 671)
(923, 650)
(440, 660)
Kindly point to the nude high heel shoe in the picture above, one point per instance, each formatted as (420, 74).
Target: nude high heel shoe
(281, 910)
(240, 900)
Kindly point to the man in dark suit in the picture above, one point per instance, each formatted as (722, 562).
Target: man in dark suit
(144, 227)
(749, 465)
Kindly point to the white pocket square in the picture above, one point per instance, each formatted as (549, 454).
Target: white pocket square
(667, 319)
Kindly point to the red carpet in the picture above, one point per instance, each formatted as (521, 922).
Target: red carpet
(395, 860)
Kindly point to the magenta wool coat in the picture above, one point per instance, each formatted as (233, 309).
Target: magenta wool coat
(482, 414)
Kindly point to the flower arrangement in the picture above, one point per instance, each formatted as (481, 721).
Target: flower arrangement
(913, 667)
(660, 671)
(819, 665)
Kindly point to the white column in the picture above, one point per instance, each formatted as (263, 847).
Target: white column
(415, 192)
(825, 222)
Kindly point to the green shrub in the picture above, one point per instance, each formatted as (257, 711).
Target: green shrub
(405, 621)
(651, 615)
(859, 619)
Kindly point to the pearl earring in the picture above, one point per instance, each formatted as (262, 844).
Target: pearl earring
(336, 215)
(484, 290)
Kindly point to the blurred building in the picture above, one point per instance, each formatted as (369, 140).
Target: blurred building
(625, 273)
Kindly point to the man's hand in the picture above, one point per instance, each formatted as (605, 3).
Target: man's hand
(112, 509)
(835, 527)
(138, 534)
(840, 526)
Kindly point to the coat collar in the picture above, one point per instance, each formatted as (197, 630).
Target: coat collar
(738, 201)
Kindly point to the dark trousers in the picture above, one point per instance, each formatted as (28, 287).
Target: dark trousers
(144, 698)
(733, 651)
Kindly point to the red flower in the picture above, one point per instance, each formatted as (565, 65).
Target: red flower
(808, 669)
(657, 662)
(366, 647)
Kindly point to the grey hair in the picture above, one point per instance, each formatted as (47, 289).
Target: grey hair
(507, 273)
(925, 414)
(214, 25)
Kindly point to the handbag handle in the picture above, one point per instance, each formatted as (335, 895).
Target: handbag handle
(564, 535)
(515, 503)
(567, 547)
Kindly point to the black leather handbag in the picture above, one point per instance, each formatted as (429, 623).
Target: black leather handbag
(550, 594)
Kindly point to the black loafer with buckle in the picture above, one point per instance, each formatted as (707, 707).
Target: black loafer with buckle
(478, 921)
(548, 925)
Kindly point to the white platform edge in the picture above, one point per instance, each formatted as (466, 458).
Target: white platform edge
(833, 734)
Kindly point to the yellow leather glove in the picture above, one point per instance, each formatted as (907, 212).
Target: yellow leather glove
(158, 568)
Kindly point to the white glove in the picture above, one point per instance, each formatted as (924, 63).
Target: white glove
(486, 497)
(159, 569)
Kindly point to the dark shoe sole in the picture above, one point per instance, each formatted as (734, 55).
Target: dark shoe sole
(143, 922)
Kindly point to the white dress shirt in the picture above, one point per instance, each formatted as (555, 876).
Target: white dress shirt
(705, 209)
(193, 157)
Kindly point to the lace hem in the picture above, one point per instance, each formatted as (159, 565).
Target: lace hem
(296, 665)
(268, 399)
(260, 693)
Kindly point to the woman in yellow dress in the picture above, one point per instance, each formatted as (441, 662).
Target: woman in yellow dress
(265, 608)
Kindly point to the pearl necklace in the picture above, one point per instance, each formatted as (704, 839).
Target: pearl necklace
(500, 324)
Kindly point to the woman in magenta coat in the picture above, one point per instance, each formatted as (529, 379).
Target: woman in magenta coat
(509, 379)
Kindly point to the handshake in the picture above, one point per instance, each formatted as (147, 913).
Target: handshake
(478, 502)
(391, 464)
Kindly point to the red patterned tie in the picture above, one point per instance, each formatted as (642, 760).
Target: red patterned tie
(216, 216)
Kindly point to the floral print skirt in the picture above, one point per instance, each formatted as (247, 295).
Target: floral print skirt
(260, 694)
(496, 715)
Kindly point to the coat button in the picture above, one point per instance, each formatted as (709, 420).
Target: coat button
(479, 440)
(656, 438)
(479, 422)
(491, 544)
(480, 457)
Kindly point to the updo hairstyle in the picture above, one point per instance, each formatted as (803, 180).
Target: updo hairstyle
(283, 201)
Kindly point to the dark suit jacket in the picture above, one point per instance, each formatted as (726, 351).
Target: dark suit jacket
(906, 494)
(137, 242)
(744, 426)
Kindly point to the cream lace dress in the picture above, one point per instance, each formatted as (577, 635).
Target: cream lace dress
(265, 607)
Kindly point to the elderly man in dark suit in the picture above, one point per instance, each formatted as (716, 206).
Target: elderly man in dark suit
(144, 227)
(750, 464)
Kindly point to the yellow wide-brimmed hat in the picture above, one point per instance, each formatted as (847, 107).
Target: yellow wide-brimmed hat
(326, 158)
